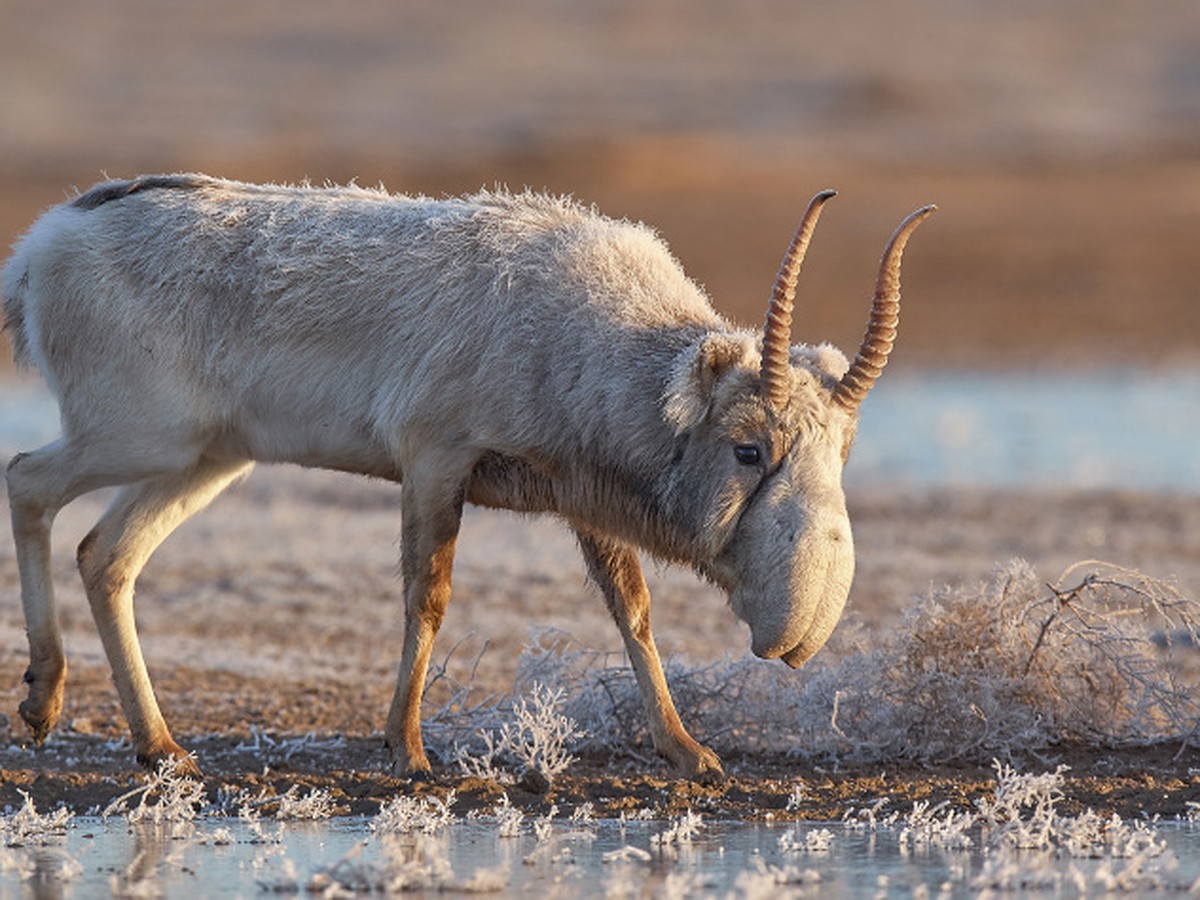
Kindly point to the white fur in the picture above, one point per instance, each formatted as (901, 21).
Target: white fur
(510, 350)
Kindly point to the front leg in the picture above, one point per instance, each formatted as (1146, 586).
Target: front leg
(615, 568)
(431, 513)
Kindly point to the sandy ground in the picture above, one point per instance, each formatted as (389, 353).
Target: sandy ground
(275, 614)
(1058, 139)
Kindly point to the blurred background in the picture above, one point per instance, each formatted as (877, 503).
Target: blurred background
(1061, 141)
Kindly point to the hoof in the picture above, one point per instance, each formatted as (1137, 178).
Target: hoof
(422, 771)
(43, 707)
(40, 723)
(187, 767)
(704, 767)
(412, 766)
(174, 757)
(709, 777)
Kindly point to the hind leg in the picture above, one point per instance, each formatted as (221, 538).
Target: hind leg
(39, 485)
(110, 558)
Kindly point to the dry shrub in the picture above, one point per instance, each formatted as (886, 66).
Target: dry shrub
(1099, 657)
(1104, 656)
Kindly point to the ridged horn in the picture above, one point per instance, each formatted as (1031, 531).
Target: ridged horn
(885, 315)
(777, 332)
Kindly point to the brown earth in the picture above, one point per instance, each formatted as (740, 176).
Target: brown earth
(247, 619)
(85, 773)
(1059, 142)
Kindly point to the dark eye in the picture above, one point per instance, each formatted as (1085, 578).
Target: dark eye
(747, 454)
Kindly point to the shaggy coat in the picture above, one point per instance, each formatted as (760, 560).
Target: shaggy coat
(510, 350)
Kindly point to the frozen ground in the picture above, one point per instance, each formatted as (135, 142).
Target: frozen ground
(275, 615)
(1058, 139)
(292, 575)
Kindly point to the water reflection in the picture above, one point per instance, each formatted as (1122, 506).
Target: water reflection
(599, 858)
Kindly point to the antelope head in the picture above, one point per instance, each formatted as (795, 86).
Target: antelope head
(776, 427)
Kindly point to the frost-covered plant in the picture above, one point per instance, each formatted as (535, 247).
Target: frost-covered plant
(1021, 812)
(553, 845)
(1000, 668)
(540, 734)
(219, 837)
(414, 815)
(249, 816)
(1012, 870)
(543, 826)
(318, 803)
(627, 853)
(868, 818)
(584, 815)
(764, 880)
(795, 799)
(485, 763)
(508, 818)
(815, 841)
(273, 750)
(938, 825)
(641, 814)
(1131, 840)
(176, 796)
(536, 739)
(417, 863)
(27, 827)
(413, 858)
(1014, 664)
(679, 833)
(1024, 838)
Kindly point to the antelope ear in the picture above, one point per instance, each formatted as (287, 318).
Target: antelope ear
(694, 377)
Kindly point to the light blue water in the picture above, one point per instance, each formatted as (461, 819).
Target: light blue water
(1119, 429)
(222, 857)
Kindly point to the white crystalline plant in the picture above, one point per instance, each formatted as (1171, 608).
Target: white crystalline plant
(679, 833)
(177, 798)
(1021, 813)
(27, 827)
(816, 841)
(509, 819)
(414, 815)
(318, 803)
(540, 734)
(536, 740)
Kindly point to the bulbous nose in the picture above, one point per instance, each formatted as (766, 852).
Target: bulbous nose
(822, 569)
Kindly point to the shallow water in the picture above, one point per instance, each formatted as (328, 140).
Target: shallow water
(1117, 429)
(223, 857)
(1113, 429)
